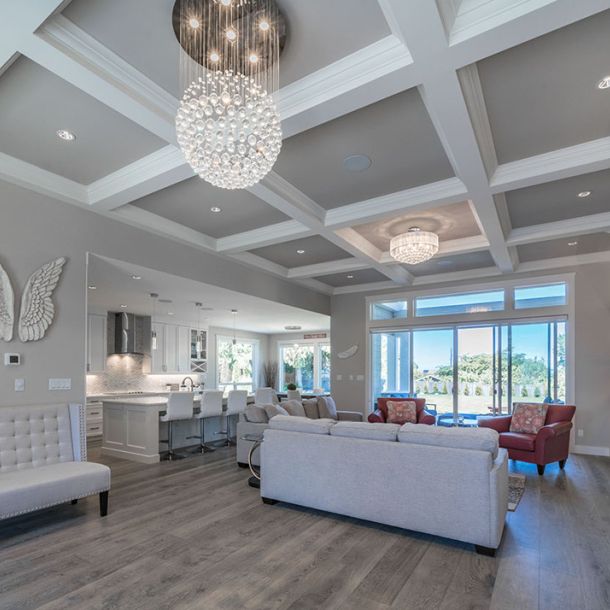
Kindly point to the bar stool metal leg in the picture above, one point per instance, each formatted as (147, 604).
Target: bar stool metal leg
(204, 447)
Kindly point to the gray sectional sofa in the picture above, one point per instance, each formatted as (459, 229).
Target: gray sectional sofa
(450, 482)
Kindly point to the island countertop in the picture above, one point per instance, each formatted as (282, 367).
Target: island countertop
(144, 401)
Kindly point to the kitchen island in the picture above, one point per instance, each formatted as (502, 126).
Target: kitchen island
(132, 428)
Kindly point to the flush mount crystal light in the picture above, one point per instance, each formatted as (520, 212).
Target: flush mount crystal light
(227, 123)
(66, 135)
(414, 247)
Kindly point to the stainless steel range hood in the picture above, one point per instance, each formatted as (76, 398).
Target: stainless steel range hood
(128, 333)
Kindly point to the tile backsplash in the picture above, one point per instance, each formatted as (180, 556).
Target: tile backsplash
(124, 373)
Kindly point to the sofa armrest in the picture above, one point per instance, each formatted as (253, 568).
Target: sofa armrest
(426, 418)
(349, 416)
(552, 430)
(499, 424)
(376, 417)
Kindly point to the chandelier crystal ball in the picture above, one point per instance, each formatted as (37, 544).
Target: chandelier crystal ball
(229, 129)
(414, 247)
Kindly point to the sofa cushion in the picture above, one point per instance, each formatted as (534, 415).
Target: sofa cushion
(294, 407)
(327, 407)
(301, 424)
(528, 417)
(274, 411)
(401, 412)
(518, 440)
(480, 439)
(22, 491)
(311, 408)
(256, 414)
(374, 432)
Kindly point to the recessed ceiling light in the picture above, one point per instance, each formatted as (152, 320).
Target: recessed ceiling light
(604, 83)
(300, 251)
(92, 287)
(136, 277)
(584, 194)
(350, 277)
(292, 327)
(170, 313)
(216, 210)
(123, 306)
(194, 23)
(66, 135)
(572, 243)
(356, 163)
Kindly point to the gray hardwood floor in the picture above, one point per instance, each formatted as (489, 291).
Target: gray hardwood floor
(192, 534)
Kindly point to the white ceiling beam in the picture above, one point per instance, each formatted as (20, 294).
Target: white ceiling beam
(320, 269)
(422, 29)
(370, 287)
(265, 236)
(316, 285)
(594, 223)
(482, 29)
(555, 165)
(422, 197)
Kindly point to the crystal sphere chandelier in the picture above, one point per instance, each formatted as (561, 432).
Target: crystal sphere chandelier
(414, 247)
(227, 124)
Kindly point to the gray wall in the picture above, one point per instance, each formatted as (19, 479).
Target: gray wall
(35, 229)
(592, 350)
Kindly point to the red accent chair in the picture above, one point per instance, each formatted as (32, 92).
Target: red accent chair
(380, 415)
(551, 444)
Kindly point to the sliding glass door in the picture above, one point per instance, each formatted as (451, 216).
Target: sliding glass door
(468, 370)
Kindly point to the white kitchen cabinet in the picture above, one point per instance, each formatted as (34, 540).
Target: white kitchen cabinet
(96, 343)
(173, 349)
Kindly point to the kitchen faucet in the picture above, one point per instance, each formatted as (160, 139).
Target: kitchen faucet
(183, 384)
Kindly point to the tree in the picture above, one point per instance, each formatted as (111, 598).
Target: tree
(524, 392)
(478, 391)
(466, 390)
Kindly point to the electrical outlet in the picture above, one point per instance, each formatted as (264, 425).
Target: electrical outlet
(60, 384)
(19, 385)
(581, 432)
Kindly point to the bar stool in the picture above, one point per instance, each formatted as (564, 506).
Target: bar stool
(179, 408)
(211, 406)
(237, 402)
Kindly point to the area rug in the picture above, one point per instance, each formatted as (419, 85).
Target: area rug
(516, 487)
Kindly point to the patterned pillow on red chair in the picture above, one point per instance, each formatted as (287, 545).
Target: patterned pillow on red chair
(528, 417)
(401, 412)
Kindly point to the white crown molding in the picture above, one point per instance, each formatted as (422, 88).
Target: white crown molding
(422, 197)
(566, 261)
(41, 181)
(321, 269)
(453, 276)
(265, 236)
(315, 285)
(563, 163)
(258, 262)
(594, 223)
(372, 287)
(154, 223)
(161, 168)
(362, 67)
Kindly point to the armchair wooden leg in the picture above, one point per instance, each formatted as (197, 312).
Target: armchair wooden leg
(562, 463)
(485, 550)
(540, 469)
(103, 503)
(74, 501)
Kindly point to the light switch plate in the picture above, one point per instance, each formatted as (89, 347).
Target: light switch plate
(60, 384)
(19, 385)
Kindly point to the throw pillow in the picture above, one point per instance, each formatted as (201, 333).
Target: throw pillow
(256, 414)
(401, 412)
(311, 408)
(528, 417)
(294, 407)
(327, 407)
(273, 410)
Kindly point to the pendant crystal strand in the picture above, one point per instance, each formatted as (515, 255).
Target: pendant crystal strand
(414, 247)
(227, 124)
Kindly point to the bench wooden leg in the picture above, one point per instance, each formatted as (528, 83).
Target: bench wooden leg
(103, 503)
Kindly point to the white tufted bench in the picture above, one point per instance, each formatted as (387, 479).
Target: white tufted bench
(43, 457)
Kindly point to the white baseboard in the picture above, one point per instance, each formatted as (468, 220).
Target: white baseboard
(588, 450)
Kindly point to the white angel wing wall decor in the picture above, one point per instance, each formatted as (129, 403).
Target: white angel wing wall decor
(37, 308)
(7, 306)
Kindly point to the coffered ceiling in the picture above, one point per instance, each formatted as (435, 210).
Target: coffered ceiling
(482, 121)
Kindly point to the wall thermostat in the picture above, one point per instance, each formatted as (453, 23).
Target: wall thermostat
(12, 359)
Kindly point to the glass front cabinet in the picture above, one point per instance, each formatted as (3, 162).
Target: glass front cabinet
(199, 350)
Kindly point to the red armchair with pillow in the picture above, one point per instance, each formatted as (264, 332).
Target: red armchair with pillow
(535, 433)
(380, 415)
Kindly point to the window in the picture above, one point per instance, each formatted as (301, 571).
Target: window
(551, 295)
(306, 364)
(474, 302)
(390, 362)
(235, 364)
(389, 310)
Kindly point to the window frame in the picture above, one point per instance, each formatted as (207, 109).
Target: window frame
(255, 362)
(317, 359)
